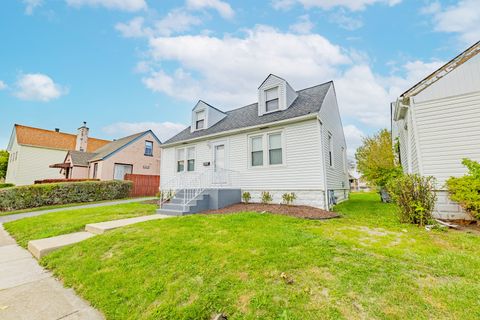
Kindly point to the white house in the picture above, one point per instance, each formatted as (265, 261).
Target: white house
(436, 123)
(33, 150)
(287, 141)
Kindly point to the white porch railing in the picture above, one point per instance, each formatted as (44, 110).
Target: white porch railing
(191, 184)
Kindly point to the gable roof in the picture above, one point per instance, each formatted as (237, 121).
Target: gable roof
(309, 101)
(119, 144)
(37, 137)
(443, 71)
(80, 158)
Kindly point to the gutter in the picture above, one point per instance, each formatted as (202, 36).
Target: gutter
(245, 129)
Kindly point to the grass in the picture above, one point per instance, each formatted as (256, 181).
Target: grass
(57, 206)
(249, 265)
(63, 222)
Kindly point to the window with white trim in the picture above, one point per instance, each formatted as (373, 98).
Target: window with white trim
(185, 159)
(330, 149)
(271, 100)
(200, 120)
(275, 148)
(266, 149)
(256, 146)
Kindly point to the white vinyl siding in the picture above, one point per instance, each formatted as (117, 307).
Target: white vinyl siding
(448, 131)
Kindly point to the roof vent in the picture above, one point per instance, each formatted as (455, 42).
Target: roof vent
(57, 129)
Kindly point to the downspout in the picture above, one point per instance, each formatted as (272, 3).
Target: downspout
(324, 169)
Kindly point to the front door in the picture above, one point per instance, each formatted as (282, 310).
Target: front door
(219, 164)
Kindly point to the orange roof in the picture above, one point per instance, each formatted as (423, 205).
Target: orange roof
(53, 140)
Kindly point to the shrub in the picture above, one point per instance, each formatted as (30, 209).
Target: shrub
(266, 197)
(466, 190)
(246, 196)
(62, 180)
(288, 198)
(38, 195)
(415, 197)
(6, 185)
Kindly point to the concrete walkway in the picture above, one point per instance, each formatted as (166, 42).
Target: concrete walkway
(27, 291)
(19, 216)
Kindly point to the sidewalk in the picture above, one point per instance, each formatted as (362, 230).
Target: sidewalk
(27, 291)
(19, 216)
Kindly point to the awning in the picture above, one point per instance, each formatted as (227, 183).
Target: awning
(62, 165)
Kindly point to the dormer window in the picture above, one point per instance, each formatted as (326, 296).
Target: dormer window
(200, 120)
(271, 100)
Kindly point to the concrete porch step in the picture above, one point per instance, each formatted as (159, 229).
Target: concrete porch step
(170, 212)
(41, 247)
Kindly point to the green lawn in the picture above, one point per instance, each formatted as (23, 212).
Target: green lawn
(362, 266)
(63, 222)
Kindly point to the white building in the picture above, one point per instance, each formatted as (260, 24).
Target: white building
(287, 141)
(33, 150)
(437, 125)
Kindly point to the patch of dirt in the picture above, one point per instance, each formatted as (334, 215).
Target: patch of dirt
(468, 226)
(304, 212)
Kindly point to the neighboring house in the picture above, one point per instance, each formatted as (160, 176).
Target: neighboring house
(287, 141)
(33, 150)
(138, 154)
(436, 124)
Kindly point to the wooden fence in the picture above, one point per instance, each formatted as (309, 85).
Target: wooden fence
(143, 185)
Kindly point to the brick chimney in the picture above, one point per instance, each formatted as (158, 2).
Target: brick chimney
(82, 138)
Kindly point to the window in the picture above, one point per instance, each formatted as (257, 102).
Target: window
(95, 170)
(186, 159)
(200, 120)
(275, 148)
(149, 148)
(191, 159)
(120, 170)
(257, 151)
(180, 160)
(271, 100)
(330, 150)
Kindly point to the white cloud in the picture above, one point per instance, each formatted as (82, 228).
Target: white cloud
(30, 5)
(134, 28)
(228, 69)
(353, 5)
(303, 25)
(345, 21)
(222, 7)
(163, 130)
(38, 87)
(354, 137)
(462, 18)
(124, 5)
(3, 85)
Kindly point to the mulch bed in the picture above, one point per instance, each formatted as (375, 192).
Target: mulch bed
(304, 212)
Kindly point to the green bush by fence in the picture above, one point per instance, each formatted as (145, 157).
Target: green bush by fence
(6, 185)
(25, 197)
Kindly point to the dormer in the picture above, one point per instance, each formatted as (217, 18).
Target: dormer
(275, 94)
(204, 116)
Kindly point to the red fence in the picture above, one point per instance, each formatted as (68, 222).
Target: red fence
(143, 185)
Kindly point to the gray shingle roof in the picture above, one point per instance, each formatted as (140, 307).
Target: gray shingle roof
(308, 101)
(114, 146)
(80, 158)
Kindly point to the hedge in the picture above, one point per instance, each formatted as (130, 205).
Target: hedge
(62, 180)
(32, 196)
(466, 190)
(6, 185)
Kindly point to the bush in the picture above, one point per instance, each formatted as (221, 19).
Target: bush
(246, 196)
(6, 185)
(62, 180)
(466, 190)
(266, 197)
(415, 197)
(288, 198)
(38, 195)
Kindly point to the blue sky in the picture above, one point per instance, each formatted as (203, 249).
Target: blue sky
(128, 65)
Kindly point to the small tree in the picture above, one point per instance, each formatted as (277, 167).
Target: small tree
(3, 163)
(466, 190)
(376, 159)
(415, 197)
